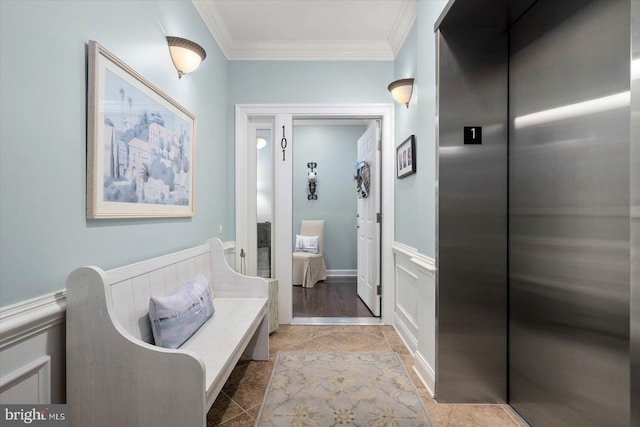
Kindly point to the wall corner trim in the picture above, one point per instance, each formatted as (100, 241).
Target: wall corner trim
(30, 317)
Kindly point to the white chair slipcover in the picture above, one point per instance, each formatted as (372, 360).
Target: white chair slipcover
(308, 268)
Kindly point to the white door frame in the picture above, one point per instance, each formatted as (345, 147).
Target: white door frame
(283, 115)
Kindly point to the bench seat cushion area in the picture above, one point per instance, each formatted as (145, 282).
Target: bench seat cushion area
(221, 340)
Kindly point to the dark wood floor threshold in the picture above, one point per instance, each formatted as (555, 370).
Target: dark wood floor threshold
(333, 297)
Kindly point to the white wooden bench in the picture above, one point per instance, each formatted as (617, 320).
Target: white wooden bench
(117, 377)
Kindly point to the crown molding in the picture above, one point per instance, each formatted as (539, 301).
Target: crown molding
(402, 26)
(210, 14)
(307, 50)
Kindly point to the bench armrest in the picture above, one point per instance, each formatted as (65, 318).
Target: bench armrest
(227, 283)
(112, 377)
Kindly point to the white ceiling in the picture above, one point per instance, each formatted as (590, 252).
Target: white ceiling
(308, 29)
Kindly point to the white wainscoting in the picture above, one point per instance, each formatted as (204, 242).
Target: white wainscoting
(406, 309)
(32, 350)
(33, 347)
(32, 333)
(415, 308)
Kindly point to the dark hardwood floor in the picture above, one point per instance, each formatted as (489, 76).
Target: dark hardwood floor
(334, 297)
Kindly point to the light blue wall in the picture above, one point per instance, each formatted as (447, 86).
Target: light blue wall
(410, 209)
(44, 233)
(334, 149)
(309, 81)
(415, 195)
(302, 82)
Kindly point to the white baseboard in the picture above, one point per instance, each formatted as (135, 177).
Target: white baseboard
(404, 331)
(425, 372)
(342, 273)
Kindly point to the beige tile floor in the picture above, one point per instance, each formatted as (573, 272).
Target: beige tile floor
(239, 402)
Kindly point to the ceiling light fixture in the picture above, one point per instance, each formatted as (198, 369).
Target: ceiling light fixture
(185, 54)
(261, 143)
(401, 90)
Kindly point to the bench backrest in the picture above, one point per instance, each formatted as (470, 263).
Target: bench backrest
(133, 285)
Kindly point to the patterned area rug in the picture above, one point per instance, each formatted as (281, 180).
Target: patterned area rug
(331, 388)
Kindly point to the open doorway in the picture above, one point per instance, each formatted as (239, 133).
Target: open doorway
(334, 279)
(281, 117)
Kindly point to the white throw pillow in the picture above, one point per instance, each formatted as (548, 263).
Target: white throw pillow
(174, 318)
(307, 244)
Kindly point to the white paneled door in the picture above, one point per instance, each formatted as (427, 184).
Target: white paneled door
(367, 222)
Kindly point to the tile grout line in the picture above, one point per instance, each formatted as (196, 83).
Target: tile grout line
(237, 415)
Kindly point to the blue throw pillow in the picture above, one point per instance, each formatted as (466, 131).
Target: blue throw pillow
(174, 318)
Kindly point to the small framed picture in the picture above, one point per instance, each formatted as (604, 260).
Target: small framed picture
(406, 157)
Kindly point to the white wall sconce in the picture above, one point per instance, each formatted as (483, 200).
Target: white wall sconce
(312, 177)
(401, 90)
(185, 54)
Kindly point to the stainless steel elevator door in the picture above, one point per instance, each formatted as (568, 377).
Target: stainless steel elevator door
(569, 214)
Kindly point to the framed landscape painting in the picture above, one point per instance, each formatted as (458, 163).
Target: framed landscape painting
(140, 147)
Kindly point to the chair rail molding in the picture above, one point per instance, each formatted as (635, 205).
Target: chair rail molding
(425, 263)
(27, 318)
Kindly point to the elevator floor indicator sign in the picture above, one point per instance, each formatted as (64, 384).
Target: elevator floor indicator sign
(473, 134)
